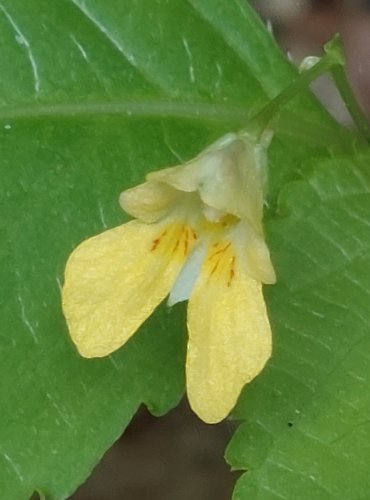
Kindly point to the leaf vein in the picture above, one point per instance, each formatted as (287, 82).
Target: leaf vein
(129, 57)
(22, 40)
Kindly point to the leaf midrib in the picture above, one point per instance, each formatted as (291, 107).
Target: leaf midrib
(140, 108)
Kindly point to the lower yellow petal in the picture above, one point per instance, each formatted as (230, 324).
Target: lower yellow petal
(114, 281)
(229, 338)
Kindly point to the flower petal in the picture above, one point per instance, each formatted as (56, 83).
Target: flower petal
(149, 201)
(114, 281)
(229, 340)
(188, 276)
(253, 253)
(230, 176)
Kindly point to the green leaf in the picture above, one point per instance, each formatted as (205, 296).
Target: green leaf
(94, 94)
(307, 427)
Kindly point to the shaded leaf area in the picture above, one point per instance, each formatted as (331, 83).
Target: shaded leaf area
(307, 416)
(93, 95)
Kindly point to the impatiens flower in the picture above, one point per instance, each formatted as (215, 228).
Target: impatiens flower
(196, 235)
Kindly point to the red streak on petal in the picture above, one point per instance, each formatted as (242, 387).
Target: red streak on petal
(186, 242)
(155, 244)
(214, 268)
(232, 272)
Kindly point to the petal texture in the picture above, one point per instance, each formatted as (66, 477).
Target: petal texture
(149, 201)
(229, 339)
(229, 176)
(114, 281)
(253, 253)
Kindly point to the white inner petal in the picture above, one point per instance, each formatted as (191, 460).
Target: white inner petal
(187, 277)
(213, 214)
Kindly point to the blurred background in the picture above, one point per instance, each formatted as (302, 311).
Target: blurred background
(178, 457)
(303, 26)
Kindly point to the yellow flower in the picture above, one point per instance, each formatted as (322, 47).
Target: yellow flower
(197, 235)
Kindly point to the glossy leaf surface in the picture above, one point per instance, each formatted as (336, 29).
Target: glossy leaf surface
(93, 95)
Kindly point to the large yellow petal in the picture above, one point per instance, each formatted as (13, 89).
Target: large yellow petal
(114, 281)
(229, 338)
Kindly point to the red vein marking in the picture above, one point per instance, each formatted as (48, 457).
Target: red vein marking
(232, 271)
(186, 242)
(214, 254)
(214, 268)
(176, 245)
(155, 243)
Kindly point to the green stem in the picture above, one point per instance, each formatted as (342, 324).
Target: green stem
(262, 119)
(359, 118)
(333, 60)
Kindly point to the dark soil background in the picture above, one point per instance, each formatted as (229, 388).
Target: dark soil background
(177, 457)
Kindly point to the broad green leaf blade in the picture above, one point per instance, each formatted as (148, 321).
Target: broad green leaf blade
(93, 95)
(307, 428)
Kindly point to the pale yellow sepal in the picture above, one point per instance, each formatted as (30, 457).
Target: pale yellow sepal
(229, 342)
(113, 282)
(149, 201)
(228, 176)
